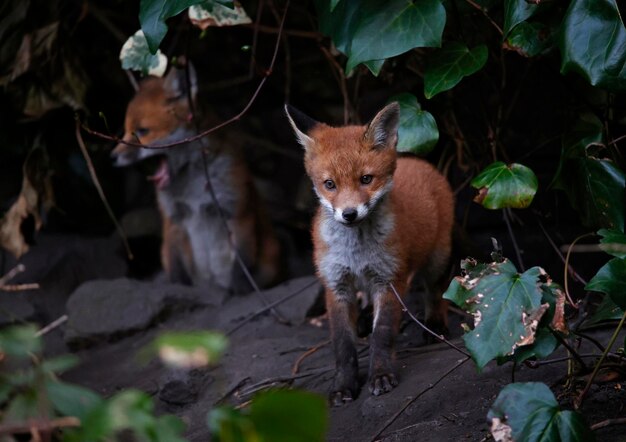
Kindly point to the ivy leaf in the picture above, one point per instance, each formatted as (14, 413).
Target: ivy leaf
(606, 311)
(333, 5)
(191, 349)
(374, 66)
(136, 56)
(501, 185)
(506, 306)
(446, 67)
(595, 187)
(72, 400)
(380, 29)
(211, 13)
(154, 13)
(598, 53)
(418, 131)
(284, 415)
(278, 415)
(515, 12)
(613, 242)
(611, 279)
(391, 27)
(19, 341)
(531, 39)
(529, 412)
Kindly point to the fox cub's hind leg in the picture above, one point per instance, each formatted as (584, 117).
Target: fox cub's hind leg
(387, 315)
(342, 313)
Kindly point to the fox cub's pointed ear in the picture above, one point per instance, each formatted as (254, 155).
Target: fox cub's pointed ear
(176, 84)
(382, 131)
(301, 124)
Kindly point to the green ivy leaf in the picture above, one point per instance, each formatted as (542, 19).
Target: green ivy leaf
(595, 187)
(506, 307)
(515, 12)
(290, 415)
(611, 279)
(418, 131)
(593, 43)
(72, 400)
(20, 341)
(391, 27)
(613, 242)
(154, 13)
(529, 412)
(446, 67)
(374, 66)
(606, 311)
(501, 185)
(373, 31)
(531, 39)
(275, 415)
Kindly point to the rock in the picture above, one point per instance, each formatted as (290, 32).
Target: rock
(110, 309)
(182, 387)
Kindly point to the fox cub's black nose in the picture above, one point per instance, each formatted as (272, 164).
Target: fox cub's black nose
(349, 214)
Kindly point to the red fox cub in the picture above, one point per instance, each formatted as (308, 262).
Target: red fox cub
(196, 247)
(381, 219)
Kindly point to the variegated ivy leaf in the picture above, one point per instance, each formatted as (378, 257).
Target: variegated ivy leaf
(135, 55)
(212, 13)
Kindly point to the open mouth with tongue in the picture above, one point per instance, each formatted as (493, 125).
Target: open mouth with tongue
(161, 177)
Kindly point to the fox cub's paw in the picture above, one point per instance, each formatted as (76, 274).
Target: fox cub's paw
(381, 383)
(343, 393)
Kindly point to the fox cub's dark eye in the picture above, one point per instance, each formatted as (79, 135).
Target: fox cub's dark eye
(366, 179)
(142, 131)
(329, 184)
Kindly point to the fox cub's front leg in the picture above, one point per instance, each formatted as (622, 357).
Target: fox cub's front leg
(387, 315)
(342, 311)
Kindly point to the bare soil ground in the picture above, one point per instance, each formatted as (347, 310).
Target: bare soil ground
(438, 398)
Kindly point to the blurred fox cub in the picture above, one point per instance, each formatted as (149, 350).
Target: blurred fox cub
(196, 247)
(381, 219)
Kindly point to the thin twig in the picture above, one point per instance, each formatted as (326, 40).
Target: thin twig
(565, 272)
(230, 391)
(96, 182)
(393, 418)
(569, 348)
(39, 425)
(518, 253)
(608, 422)
(484, 12)
(578, 401)
(269, 307)
(19, 287)
(418, 322)
(54, 324)
(306, 354)
(12, 274)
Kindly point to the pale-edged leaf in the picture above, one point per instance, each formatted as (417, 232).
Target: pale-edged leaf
(611, 279)
(190, 349)
(515, 12)
(418, 131)
(613, 242)
(211, 13)
(506, 306)
(446, 67)
(531, 413)
(593, 43)
(505, 185)
(388, 28)
(135, 55)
